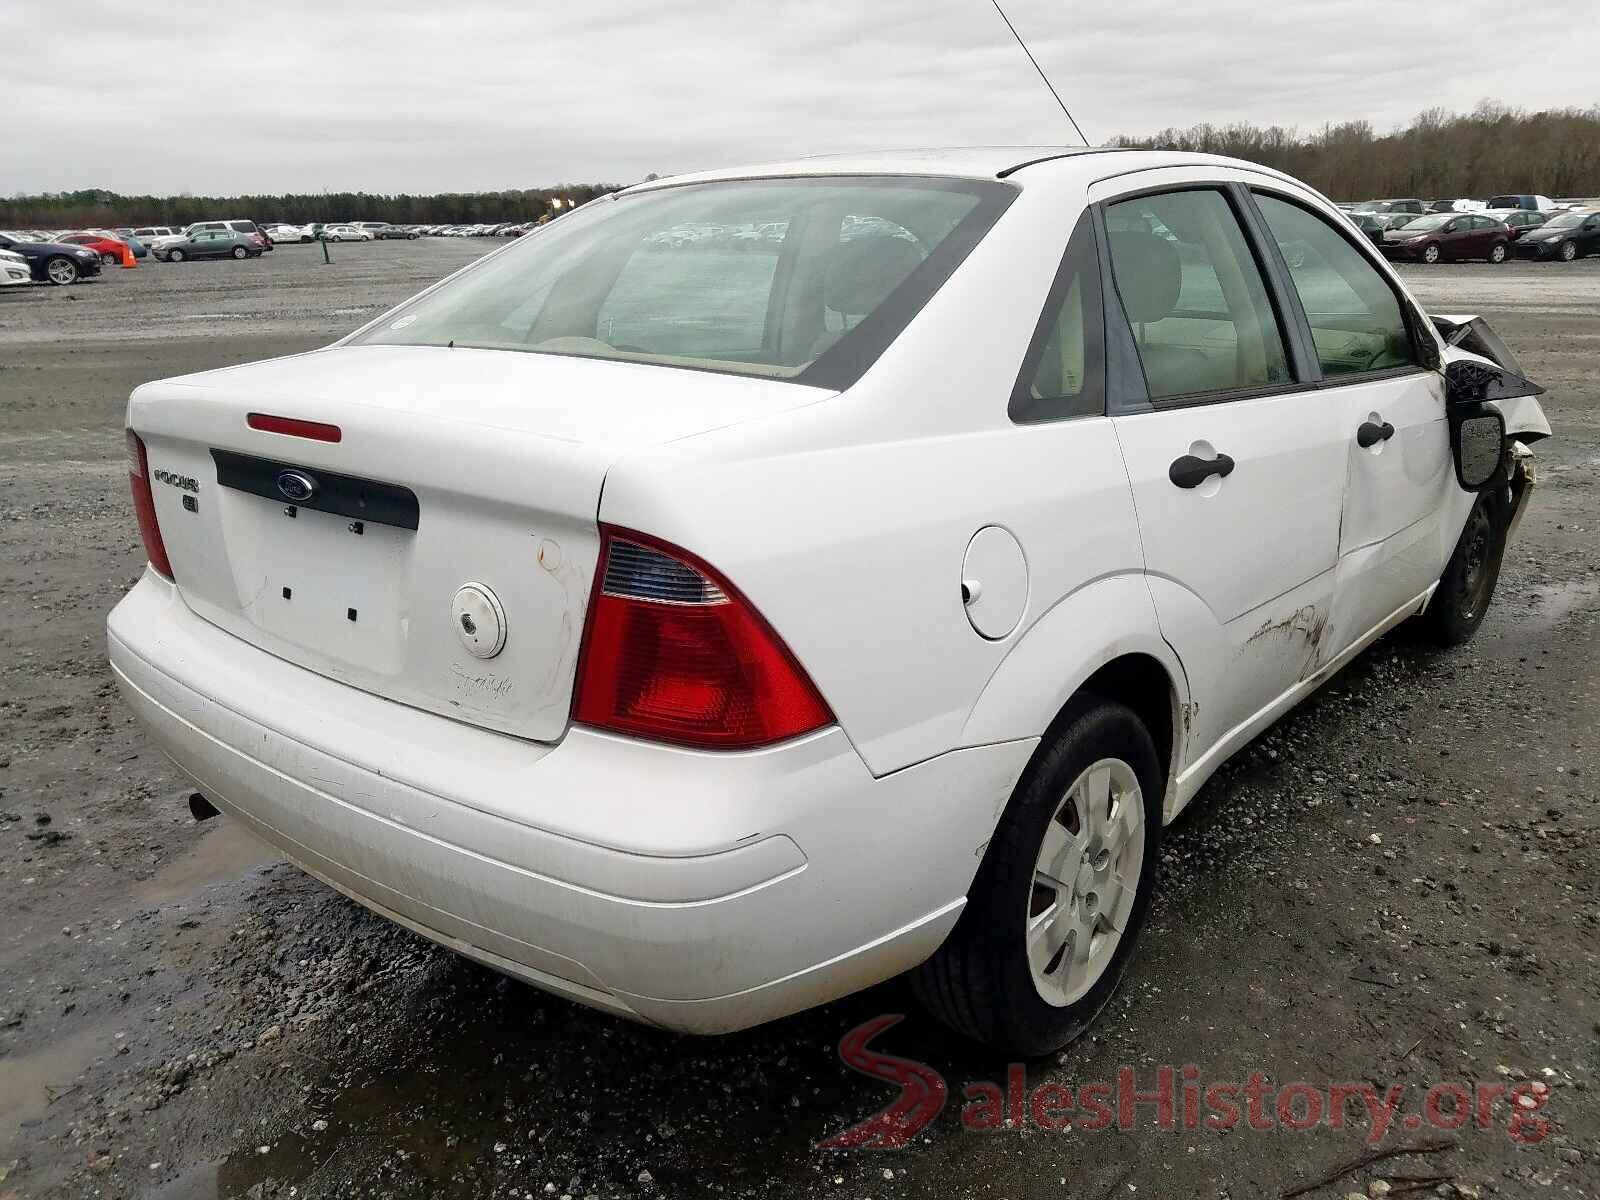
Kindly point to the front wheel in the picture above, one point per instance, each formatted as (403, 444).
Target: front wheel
(240, 252)
(1497, 252)
(1467, 585)
(1062, 892)
(1430, 255)
(108, 260)
(1568, 251)
(175, 256)
(61, 271)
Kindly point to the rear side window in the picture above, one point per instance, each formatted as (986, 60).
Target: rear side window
(1356, 320)
(1201, 316)
(1063, 373)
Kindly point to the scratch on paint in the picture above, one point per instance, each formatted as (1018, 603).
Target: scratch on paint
(1307, 623)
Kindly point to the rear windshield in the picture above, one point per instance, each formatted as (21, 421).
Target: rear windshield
(801, 279)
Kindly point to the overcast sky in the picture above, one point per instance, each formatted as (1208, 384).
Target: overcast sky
(465, 95)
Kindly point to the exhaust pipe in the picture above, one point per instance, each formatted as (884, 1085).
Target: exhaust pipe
(202, 808)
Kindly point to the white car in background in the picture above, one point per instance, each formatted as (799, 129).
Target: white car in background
(345, 233)
(289, 233)
(704, 644)
(13, 269)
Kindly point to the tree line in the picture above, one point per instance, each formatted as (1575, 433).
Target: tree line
(94, 208)
(1439, 155)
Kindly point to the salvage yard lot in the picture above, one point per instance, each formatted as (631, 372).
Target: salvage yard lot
(1397, 885)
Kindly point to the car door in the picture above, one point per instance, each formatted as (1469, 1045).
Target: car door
(1390, 405)
(1237, 469)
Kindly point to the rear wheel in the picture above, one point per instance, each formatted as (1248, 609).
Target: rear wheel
(108, 259)
(1430, 254)
(240, 252)
(1568, 251)
(1497, 252)
(1467, 585)
(1063, 890)
(61, 271)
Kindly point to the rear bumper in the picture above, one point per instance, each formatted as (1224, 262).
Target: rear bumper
(699, 892)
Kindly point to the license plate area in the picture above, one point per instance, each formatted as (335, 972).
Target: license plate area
(320, 581)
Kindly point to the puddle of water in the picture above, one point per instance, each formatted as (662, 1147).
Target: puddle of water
(1556, 602)
(226, 851)
(27, 1081)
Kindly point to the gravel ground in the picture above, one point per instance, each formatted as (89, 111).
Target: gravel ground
(1395, 885)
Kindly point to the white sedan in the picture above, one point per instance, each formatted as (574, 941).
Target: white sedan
(345, 233)
(14, 269)
(705, 632)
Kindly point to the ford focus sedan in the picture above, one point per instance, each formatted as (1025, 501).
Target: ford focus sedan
(706, 627)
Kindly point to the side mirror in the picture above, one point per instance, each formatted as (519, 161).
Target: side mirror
(1477, 443)
(1468, 383)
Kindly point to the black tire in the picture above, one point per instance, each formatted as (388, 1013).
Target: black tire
(1467, 585)
(175, 256)
(61, 271)
(239, 252)
(1499, 252)
(1567, 251)
(980, 982)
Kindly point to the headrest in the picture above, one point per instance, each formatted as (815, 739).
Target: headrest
(1149, 274)
(864, 270)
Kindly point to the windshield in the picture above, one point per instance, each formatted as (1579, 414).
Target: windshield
(806, 279)
(1566, 220)
(1432, 221)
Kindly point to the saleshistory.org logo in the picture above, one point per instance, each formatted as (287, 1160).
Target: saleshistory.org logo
(1171, 1098)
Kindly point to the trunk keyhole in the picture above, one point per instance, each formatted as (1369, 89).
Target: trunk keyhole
(468, 624)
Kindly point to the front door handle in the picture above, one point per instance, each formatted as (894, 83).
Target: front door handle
(1189, 471)
(1371, 433)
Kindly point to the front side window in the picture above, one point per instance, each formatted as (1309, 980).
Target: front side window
(1356, 320)
(804, 279)
(1194, 296)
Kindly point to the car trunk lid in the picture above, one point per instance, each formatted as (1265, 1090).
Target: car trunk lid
(451, 468)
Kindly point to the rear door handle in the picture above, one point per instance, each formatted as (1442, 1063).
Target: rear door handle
(1189, 471)
(1371, 433)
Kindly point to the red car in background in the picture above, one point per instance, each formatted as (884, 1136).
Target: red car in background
(1442, 236)
(108, 248)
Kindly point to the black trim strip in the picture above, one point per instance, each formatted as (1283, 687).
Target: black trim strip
(345, 495)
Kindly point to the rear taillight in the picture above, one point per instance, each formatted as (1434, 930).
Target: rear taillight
(673, 652)
(144, 505)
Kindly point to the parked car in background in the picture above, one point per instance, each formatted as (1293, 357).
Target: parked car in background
(107, 247)
(236, 224)
(345, 233)
(371, 227)
(1518, 220)
(1370, 224)
(1392, 206)
(148, 234)
(290, 233)
(1457, 205)
(1393, 220)
(14, 269)
(1565, 236)
(767, 747)
(1440, 237)
(211, 243)
(394, 233)
(59, 263)
(1538, 203)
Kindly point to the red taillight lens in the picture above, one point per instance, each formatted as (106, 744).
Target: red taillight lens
(144, 505)
(674, 653)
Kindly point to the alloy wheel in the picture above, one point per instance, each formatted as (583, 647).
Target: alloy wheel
(1431, 255)
(1569, 251)
(62, 272)
(1085, 881)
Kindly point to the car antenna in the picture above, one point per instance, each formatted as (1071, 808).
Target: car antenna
(1039, 69)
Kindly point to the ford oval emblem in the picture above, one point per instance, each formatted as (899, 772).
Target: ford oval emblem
(296, 486)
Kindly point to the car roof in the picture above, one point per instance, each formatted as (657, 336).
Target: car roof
(970, 162)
